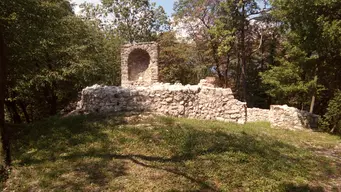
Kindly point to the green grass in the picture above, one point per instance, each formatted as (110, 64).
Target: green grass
(128, 153)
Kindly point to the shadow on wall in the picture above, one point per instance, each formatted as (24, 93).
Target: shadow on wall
(138, 63)
(292, 118)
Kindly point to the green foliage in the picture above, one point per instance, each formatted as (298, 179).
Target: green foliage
(136, 20)
(332, 119)
(290, 56)
(240, 40)
(178, 61)
(287, 81)
(130, 153)
(312, 52)
(53, 54)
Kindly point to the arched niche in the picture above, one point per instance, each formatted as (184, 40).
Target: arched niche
(138, 63)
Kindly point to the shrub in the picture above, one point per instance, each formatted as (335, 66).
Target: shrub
(332, 119)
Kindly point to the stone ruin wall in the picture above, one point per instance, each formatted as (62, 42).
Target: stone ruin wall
(190, 101)
(283, 116)
(140, 92)
(139, 64)
(256, 114)
(292, 118)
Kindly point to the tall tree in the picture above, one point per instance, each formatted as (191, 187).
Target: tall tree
(53, 55)
(5, 156)
(227, 28)
(199, 18)
(136, 20)
(5, 153)
(311, 53)
(178, 61)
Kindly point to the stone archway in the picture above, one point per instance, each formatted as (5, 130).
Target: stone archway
(138, 63)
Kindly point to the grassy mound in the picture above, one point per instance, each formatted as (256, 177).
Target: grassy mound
(146, 153)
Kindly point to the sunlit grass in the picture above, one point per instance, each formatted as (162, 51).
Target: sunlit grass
(132, 153)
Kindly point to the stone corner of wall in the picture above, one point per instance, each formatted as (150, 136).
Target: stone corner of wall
(292, 118)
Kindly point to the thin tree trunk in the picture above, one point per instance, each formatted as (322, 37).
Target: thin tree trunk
(262, 53)
(51, 99)
(238, 77)
(54, 99)
(23, 108)
(227, 71)
(53, 104)
(312, 104)
(5, 141)
(243, 54)
(12, 108)
(216, 60)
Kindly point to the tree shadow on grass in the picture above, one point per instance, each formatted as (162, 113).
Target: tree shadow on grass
(45, 144)
(236, 159)
(266, 157)
(290, 187)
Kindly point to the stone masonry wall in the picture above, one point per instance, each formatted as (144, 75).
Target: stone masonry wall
(291, 118)
(283, 116)
(191, 101)
(131, 62)
(256, 114)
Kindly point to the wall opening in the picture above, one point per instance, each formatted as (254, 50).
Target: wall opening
(138, 63)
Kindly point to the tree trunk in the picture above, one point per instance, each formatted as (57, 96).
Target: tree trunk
(13, 110)
(53, 104)
(227, 71)
(54, 99)
(238, 76)
(312, 104)
(5, 153)
(216, 61)
(262, 55)
(314, 92)
(23, 108)
(243, 54)
(51, 99)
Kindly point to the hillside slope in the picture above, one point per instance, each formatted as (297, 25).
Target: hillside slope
(122, 152)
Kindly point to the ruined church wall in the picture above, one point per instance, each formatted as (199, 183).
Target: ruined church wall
(147, 77)
(256, 114)
(191, 101)
(291, 118)
(283, 116)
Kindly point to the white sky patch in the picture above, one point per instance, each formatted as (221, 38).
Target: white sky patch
(167, 4)
(78, 2)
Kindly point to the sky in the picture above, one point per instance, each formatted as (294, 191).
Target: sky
(166, 4)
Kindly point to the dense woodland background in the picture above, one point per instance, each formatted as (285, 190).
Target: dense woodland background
(282, 52)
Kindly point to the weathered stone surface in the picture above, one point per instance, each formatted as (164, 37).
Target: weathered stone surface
(176, 100)
(283, 116)
(141, 92)
(256, 114)
(139, 64)
(291, 118)
(192, 101)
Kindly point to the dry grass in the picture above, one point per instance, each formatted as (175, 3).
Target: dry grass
(134, 153)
